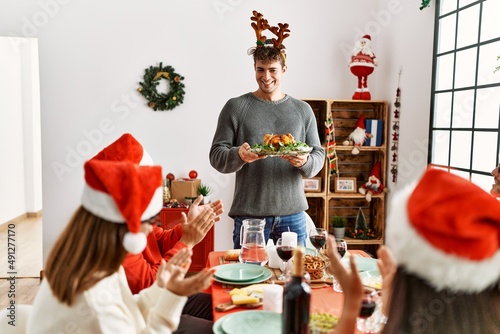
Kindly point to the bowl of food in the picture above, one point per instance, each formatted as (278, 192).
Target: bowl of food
(315, 266)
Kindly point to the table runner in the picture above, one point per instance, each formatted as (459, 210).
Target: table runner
(323, 298)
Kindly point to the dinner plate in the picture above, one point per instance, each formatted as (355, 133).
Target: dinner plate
(363, 263)
(266, 274)
(254, 321)
(371, 278)
(285, 152)
(238, 272)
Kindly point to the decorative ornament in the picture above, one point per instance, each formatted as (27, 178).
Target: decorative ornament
(161, 100)
(330, 145)
(362, 64)
(425, 4)
(260, 24)
(361, 230)
(374, 184)
(395, 132)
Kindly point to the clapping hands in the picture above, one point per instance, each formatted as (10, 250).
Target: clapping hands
(171, 275)
(199, 221)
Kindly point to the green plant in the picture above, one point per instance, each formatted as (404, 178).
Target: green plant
(203, 189)
(339, 221)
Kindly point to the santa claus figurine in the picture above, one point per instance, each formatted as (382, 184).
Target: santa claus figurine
(373, 185)
(358, 136)
(362, 64)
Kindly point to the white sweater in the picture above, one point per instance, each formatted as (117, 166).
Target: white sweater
(107, 307)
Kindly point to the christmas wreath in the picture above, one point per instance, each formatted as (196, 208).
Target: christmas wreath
(160, 100)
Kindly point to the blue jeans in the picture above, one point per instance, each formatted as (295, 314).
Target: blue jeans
(275, 225)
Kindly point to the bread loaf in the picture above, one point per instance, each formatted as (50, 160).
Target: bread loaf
(232, 255)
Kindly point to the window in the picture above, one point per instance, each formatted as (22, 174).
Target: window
(465, 99)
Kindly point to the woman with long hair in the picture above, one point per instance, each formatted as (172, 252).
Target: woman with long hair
(84, 287)
(444, 234)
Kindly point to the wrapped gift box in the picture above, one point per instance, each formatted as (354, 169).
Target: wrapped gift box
(182, 188)
(376, 128)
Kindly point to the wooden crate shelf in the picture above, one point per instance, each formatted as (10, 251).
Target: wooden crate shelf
(327, 203)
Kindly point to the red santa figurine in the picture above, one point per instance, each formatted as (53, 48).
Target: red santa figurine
(362, 64)
(358, 136)
(373, 185)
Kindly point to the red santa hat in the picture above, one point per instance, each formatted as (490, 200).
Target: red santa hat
(121, 188)
(376, 170)
(367, 37)
(446, 230)
(361, 122)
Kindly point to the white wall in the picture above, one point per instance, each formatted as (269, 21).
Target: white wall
(93, 54)
(20, 149)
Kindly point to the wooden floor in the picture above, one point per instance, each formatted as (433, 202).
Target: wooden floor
(27, 260)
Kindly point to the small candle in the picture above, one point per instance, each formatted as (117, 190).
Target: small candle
(289, 238)
(273, 298)
(275, 261)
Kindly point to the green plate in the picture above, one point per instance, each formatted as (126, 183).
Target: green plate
(363, 263)
(266, 274)
(238, 272)
(371, 278)
(252, 321)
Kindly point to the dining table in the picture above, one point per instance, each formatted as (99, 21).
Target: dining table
(323, 298)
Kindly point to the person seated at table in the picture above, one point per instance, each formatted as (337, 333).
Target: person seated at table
(445, 236)
(351, 285)
(84, 287)
(141, 269)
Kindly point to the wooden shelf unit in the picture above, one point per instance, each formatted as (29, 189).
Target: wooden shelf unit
(327, 203)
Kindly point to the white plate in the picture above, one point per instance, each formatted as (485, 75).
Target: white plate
(282, 153)
(238, 272)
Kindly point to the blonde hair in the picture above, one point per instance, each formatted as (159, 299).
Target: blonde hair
(88, 250)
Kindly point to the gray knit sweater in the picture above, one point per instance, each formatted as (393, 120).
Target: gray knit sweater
(272, 186)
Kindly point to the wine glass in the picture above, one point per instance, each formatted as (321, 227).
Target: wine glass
(342, 249)
(368, 306)
(318, 236)
(285, 252)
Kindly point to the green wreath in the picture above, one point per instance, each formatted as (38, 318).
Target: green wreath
(159, 100)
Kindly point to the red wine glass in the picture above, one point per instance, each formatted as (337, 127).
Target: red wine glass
(318, 236)
(285, 252)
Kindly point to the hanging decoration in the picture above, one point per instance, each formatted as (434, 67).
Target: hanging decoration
(425, 4)
(162, 100)
(395, 132)
(330, 145)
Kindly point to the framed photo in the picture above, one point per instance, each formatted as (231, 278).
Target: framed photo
(312, 185)
(345, 185)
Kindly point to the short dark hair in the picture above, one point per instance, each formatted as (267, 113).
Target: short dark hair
(268, 54)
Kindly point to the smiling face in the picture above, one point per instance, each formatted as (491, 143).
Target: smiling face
(268, 75)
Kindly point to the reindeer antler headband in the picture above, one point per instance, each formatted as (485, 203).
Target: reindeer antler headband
(260, 24)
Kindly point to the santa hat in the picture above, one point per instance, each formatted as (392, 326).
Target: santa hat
(120, 188)
(367, 37)
(361, 122)
(376, 170)
(446, 230)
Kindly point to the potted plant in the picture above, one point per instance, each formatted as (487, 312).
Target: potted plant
(339, 224)
(204, 190)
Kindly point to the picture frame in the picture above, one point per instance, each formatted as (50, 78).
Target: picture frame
(312, 184)
(345, 185)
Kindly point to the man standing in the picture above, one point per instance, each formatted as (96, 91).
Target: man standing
(268, 188)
